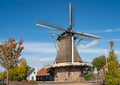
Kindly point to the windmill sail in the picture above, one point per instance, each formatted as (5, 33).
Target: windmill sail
(70, 16)
(86, 35)
(51, 27)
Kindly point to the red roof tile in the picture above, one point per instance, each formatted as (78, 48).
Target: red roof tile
(43, 72)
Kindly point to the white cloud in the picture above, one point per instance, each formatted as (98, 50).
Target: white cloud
(111, 30)
(108, 30)
(35, 47)
(39, 62)
(92, 51)
(117, 52)
(94, 42)
(97, 51)
(108, 40)
(32, 53)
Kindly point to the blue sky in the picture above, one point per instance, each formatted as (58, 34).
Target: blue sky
(18, 20)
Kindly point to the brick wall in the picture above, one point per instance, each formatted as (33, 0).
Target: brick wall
(68, 74)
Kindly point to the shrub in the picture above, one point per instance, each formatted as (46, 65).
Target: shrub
(89, 76)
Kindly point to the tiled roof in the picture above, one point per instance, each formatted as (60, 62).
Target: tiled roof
(43, 72)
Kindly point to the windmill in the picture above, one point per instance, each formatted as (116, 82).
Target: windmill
(67, 53)
(68, 33)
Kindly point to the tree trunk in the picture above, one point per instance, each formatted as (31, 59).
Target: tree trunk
(7, 77)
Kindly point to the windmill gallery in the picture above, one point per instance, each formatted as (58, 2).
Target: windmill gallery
(68, 65)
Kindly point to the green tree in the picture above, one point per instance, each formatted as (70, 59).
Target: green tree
(18, 72)
(23, 69)
(99, 62)
(89, 76)
(13, 74)
(3, 75)
(113, 75)
(10, 51)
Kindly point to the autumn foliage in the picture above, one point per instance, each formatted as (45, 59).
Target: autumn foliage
(10, 52)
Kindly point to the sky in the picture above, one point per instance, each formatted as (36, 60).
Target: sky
(18, 20)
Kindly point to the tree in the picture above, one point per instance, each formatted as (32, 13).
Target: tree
(23, 69)
(18, 72)
(111, 45)
(2, 75)
(10, 52)
(99, 62)
(113, 75)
